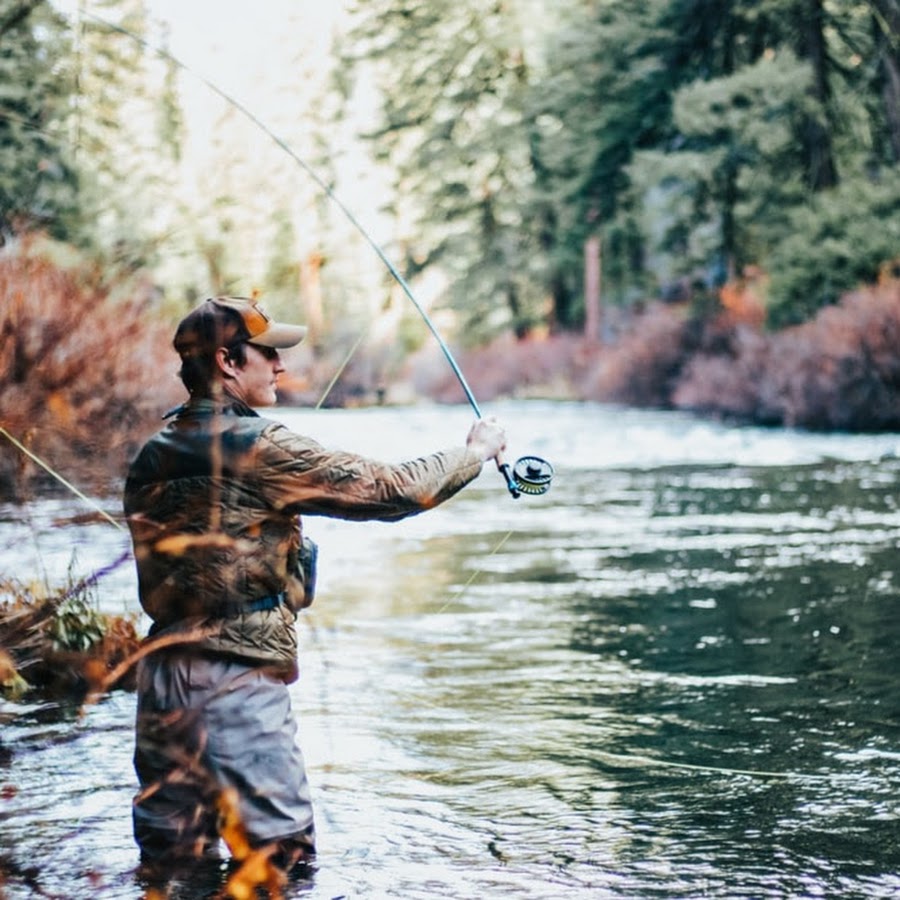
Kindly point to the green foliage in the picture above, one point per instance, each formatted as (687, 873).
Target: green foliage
(37, 180)
(283, 275)
(685, 132)
(604, 95)
(722, 195)
(125, 132)
(843, 238)
(86, 113)
(692, 136)
(76, 625)
(455, 129)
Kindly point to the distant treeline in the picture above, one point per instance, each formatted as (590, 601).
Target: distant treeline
(697, 141)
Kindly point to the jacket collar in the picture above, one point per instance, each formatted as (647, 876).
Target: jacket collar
(206, 406)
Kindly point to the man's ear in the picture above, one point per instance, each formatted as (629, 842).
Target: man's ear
(225, 362)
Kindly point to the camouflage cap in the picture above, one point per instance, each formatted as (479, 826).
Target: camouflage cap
(223, 321)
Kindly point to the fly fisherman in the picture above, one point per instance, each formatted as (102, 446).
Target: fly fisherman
(214, 502)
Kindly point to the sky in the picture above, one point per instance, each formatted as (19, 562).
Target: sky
(241, 48)
(246, 50)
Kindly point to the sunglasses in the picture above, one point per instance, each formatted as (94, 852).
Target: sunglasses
(270, 353)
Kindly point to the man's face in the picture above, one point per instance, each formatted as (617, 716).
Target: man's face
(255, 381)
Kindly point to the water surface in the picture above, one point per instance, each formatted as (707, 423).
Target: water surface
(671, 676)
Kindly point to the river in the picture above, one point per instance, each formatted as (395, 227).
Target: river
(672, 676)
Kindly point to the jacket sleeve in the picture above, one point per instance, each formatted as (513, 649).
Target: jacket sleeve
(299, 475)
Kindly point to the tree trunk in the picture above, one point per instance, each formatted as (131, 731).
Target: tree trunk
(887, 23)
(729, 192)
(592, 317)
(561, 314)
(520, 329)
(311, 294)
(821, 168)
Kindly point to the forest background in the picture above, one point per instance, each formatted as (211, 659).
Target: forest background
(686, 204)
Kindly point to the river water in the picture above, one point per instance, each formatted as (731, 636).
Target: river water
(672, 676)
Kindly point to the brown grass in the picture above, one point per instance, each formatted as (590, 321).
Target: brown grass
(59, 644)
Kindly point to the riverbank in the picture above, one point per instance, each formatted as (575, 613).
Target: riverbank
(840, 371)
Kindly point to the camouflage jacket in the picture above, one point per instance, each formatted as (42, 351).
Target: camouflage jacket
(214, 500)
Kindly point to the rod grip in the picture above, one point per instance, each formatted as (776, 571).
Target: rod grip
(504, 469)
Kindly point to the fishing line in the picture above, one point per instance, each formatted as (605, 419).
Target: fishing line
(60, 478)
(474, 575)
(530, 474)
(340, 371)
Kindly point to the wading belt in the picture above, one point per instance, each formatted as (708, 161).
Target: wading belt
(227, 610)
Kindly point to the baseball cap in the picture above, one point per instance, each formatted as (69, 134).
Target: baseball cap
(223, 321)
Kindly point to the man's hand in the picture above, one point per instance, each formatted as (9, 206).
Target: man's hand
(487, 438)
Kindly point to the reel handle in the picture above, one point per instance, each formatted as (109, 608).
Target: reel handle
(504, 469)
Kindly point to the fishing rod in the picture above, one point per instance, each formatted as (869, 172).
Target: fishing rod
(530, 474)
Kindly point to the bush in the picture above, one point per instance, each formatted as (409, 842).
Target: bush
(644, 367)
(839, 371)
(58, 642)
(84, 369)
(844, 238)
(506, 368)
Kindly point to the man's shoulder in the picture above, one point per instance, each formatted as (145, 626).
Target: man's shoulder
(277, 438)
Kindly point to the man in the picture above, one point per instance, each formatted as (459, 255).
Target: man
(213, 503)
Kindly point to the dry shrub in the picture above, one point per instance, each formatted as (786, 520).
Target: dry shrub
(643, 368)
(60, 644)
(729, 383)
(507, 368)
(742, 298)
(84, 369)
(840, 370)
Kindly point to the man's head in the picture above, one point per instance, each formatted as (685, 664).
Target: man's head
(223, 337)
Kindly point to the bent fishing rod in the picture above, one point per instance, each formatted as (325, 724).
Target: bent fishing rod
(530, 474)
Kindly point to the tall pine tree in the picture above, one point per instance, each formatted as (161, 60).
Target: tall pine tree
(455, 128)
(37, 180)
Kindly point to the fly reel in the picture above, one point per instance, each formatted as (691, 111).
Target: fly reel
(530, 475)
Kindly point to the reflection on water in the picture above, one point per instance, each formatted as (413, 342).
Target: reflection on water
(672, 676)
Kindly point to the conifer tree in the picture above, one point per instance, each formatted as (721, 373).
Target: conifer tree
(454, 75)
(694, 137)
(605, 94)
(37, 180)
(886, 26)
(126, 131)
